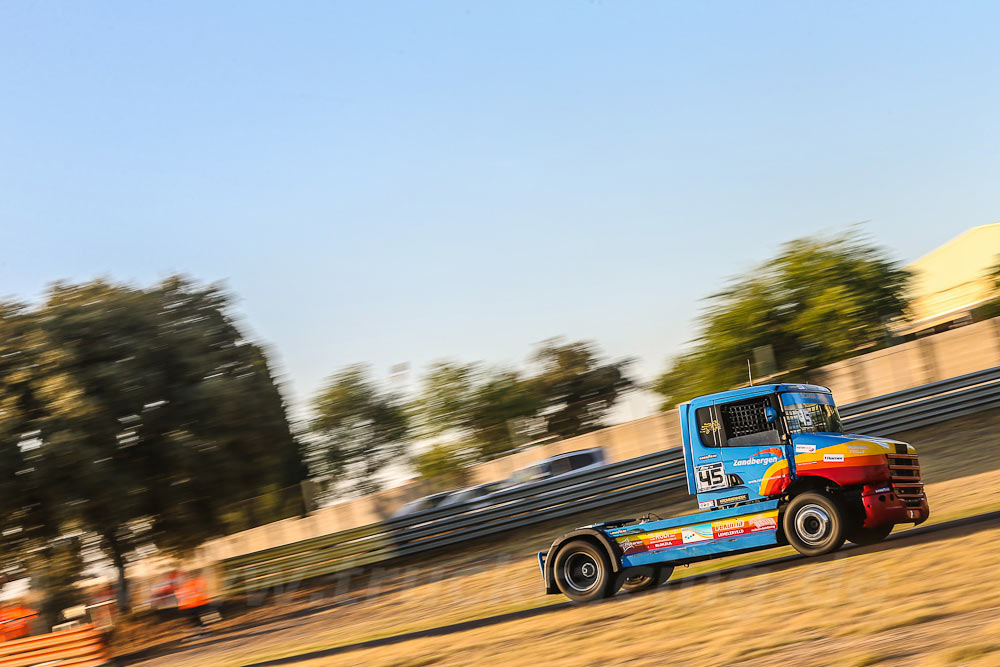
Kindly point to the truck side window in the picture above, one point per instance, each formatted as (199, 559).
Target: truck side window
(709, 426)
(746, 423)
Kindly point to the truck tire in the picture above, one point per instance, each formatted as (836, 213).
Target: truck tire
(643, 578)
(583, 573)
(864, 536)
(813, 523)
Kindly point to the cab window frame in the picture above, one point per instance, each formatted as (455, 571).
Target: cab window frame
(719, 437)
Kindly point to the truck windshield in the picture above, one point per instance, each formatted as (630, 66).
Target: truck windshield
(811, 412)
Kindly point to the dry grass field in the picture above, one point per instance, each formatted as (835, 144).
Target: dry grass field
(932, 600)
(929, 603)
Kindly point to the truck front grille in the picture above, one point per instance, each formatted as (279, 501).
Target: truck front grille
(904, 475)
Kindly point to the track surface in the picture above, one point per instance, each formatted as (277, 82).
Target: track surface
(913, 536)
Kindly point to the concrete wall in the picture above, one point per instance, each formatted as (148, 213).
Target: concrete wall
(930, 359)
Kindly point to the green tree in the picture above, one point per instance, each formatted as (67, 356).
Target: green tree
(577, 390)
(357, 430)
(476, 406)
(818, 301)
(443, 467)
(144, 413)
(502, 400)
(992, 307)
(31, 509)
(447, 401)
(494, 410)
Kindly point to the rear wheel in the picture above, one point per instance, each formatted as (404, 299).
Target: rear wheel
(583, 572)
(646, 577)
(813, 523)
(864, 536)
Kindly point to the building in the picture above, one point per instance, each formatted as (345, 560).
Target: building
(952, 283)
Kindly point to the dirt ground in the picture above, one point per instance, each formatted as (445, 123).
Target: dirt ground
(500, 578)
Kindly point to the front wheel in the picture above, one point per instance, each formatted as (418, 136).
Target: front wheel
(644, 578)
(813, 523)
(583, 572)
(864, 536)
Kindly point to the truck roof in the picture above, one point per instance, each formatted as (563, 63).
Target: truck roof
(757, 390)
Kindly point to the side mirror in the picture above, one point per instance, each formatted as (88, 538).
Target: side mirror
(770, 414)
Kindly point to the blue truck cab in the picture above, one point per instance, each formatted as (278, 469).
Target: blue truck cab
(769, 465)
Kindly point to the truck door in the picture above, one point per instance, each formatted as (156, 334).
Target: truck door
(753, 453)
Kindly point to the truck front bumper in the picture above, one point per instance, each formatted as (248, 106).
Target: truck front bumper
(883, 506)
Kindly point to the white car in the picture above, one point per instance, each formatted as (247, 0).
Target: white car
(554, 466)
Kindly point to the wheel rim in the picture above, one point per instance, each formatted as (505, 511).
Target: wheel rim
(813, 524)
(581, 571)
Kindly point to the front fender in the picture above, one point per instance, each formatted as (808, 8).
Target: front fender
(595, 535)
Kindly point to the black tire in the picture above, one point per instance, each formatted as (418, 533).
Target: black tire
(643, 578)
(814, 524)
(583, 572)
(865, 536)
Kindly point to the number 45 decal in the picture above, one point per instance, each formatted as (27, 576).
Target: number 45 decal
(710, 477)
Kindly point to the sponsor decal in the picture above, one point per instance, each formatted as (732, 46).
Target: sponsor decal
(703, 532)
(662, 539)
(620, 531)
(700, 533)
(707, 457)
(857, 450)
(733, 499)
(805, 449)
(754, 461)
(710, 427)
(884, 489)
(833, 458)
(764, 456)
(628, 545)
(706, 504)
(729, 528)
(745, 525)
(766, 521)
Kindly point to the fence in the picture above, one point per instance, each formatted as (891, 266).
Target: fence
(80, 647)
(566, 495)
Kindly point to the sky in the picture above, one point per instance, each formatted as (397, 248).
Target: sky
(401, 182)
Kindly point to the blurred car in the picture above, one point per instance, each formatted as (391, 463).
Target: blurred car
(421, 504)
(554, 466)
(473, 495)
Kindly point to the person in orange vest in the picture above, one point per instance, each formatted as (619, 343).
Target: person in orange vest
(15, 621)
(192, 599)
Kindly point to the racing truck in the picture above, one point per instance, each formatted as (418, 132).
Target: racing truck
(770, 465)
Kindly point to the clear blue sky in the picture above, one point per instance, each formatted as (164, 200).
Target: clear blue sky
(406, 181)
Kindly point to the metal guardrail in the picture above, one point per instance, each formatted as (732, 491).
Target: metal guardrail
(566, 495)
(925, 405)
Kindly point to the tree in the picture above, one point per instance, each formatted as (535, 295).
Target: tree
(992, 307)
(357, 430)
(29, 505)
(443, 467)
(577, 391)
(476, 406)
(492, 410)
(818, 301)
(502, 400)
(447, 401)
(146, 413)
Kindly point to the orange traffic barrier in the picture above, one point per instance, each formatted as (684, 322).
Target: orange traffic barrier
(79, 647)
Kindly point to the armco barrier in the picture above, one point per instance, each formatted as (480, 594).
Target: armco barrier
(80, 647)
(570, 494)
